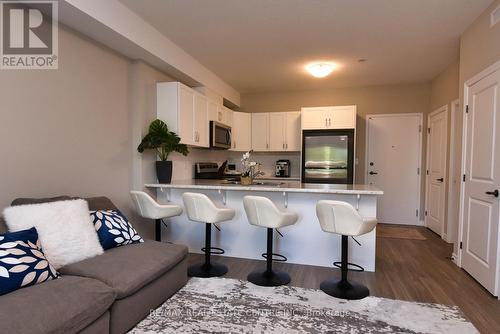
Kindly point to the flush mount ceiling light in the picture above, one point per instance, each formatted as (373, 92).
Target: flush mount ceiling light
(320, 70)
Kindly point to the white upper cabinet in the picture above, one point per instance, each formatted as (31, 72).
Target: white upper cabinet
(343, 117)
(292, 131)
(260, 131)
(219, 113)
(200, 121)
(227, 116)
(214, 111)
(276, 131)
(241, 132)
(185, 111)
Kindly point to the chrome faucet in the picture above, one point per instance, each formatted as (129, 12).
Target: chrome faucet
(254, 173)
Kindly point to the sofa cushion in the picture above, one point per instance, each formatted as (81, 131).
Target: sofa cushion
(22, 262)
(95, 203)
(64, 227)
(113, 229)
(129, 268)
(64, 305)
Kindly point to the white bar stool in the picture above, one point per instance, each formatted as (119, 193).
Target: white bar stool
(201, 209)
(262, 212)
(341, 218)
(147, 207)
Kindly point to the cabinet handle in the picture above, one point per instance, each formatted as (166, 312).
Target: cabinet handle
(286, 146)
(283, 145)
(326, 122)
(329, 122)
(267, 145)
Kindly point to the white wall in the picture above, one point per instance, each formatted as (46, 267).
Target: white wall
(66, 131)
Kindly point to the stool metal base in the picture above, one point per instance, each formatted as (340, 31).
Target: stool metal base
(202, 270)
(345, 290)
(265, 278)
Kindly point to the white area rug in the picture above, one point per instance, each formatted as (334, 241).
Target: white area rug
(220, 305)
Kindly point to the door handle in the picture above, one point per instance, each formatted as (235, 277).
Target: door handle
(373, 173)
(494, 193)
(440, 179)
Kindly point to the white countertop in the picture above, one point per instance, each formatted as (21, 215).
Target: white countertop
(284, 186)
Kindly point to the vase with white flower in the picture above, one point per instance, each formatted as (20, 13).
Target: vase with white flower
(247, 169)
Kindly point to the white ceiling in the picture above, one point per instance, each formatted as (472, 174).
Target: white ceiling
(263, 45)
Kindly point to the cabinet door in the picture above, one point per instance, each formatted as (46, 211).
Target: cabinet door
(342, 118)
(277, 131)
(227, 117)
(213, 110)
(260, 131)
(186, 115)
(241, 132)
(292, 131)
(315, 118)
(200, 121)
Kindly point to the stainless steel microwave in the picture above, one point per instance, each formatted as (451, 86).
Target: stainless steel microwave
(220, 135)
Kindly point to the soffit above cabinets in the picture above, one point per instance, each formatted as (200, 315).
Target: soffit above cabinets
(114, 25)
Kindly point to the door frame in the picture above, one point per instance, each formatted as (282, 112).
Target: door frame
(454, 113)
(487, 71)
(446, 177)
(367, 136)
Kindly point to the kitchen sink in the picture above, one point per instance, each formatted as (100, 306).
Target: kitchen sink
(256, 183)
(267, 183)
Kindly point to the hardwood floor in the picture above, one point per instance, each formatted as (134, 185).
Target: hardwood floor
(413, 270)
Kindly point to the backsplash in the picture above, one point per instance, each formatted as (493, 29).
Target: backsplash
(183, 166)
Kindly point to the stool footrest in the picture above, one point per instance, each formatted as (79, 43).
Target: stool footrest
(350, 266)
(214, 250)
(276, 257)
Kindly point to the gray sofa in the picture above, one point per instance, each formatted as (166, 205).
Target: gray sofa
(109, 293)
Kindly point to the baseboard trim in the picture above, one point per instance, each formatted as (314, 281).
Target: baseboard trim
(454, 258)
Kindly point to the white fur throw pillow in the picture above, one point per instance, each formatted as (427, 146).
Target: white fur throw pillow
(66, 233)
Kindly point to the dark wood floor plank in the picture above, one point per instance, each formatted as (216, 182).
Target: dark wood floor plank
(412, 270)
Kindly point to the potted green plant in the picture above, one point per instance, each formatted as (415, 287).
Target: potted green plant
(162, 140)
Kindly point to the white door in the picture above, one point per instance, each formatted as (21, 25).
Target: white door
(260, 131)
(482, 181)
(241, 132)
(393, 165)
(277, 131)
(435, 186)
(292, 131)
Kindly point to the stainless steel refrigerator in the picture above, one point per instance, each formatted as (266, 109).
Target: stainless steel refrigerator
(328, 156)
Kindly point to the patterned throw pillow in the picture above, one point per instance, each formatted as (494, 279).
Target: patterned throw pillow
(113, 229)
(22, 262)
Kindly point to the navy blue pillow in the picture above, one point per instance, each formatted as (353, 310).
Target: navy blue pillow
(22, 262)
(113, 229)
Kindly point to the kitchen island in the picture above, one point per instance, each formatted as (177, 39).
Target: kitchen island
(302, 243)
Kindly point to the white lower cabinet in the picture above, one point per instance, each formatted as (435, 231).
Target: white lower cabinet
(241, 132)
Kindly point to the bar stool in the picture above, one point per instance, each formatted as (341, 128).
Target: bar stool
(201, 209)
(262, 212)
(147, 207)
(341, 218)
